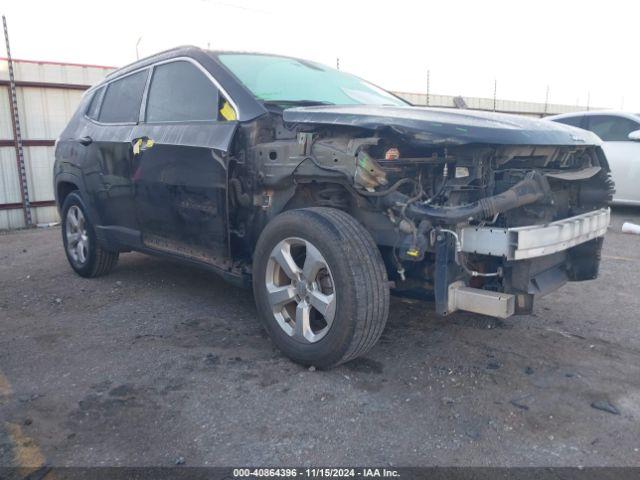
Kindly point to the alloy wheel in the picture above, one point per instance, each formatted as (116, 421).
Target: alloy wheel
(77, 237)
(300, 289)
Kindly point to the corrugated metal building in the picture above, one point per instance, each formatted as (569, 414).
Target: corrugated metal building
(47, 95)
(49, 92)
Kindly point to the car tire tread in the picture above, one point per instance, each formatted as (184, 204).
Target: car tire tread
(101, 261)
(364, 267)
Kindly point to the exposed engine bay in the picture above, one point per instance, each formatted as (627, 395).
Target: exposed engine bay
(433, 206)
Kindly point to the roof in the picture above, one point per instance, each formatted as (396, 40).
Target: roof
(185, 50)
(248, 107)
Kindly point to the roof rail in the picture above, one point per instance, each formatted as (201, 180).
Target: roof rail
(151, 58)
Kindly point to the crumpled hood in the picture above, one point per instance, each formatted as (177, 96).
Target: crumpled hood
(443, 126)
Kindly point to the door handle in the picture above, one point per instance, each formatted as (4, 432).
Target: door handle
(85, 140)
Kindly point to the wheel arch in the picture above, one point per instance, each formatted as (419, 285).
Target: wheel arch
(295, 197)
(65, 183)
(63, 189)
(318, 194)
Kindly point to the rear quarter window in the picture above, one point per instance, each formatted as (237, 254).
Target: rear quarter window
(96, 101)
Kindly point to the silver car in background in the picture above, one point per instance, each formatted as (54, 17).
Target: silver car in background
(620, 132)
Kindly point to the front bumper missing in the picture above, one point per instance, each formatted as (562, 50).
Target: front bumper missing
(520, 243)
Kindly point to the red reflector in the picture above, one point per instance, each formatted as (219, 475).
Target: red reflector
(392, 154)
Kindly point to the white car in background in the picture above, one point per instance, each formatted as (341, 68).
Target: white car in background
(620, 132)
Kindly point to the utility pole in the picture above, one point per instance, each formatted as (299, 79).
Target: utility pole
(337, 63)
(546, 101)
(137, 51)
(495, 93)
(588, 100)
(17, 134)
(428, 86)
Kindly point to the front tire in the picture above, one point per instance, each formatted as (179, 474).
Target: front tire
(85, 255)
(320, 286)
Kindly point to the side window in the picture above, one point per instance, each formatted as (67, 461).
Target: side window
(96, 101)
(611, 128)
(122, 100)
(573, 121)
(181, 92)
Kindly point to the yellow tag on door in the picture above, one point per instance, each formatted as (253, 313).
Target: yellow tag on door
(227, 112)
(136, 146)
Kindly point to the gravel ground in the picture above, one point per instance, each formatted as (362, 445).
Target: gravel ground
(158, 361)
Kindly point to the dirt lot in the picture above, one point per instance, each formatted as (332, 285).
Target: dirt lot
(158, 363)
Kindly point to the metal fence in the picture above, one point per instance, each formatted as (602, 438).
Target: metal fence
(532, 109)
(47, 95)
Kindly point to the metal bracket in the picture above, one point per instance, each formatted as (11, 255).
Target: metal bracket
(484, 302)
(444, 273)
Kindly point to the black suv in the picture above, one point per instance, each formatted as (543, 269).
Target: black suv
(325, 192)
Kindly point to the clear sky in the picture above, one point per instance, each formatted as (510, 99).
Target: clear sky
(579, 49)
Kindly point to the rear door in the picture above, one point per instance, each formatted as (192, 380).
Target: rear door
(623, 154)
(180, 163)
(113, 114)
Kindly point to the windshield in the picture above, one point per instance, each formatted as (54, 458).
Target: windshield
(280, 79)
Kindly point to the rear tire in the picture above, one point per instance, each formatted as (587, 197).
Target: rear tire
(331, 305)
(85, 255)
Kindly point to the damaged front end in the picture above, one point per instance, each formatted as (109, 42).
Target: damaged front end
(507, 224)
(480, 213)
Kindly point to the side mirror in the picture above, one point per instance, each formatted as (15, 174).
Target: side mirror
(634, 136)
